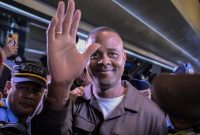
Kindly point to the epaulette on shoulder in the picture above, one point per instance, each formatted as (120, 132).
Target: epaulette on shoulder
(2, 104)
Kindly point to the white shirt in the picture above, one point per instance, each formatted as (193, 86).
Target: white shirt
(107, 105)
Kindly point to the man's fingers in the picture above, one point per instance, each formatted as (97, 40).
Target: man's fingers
(68, 17)
(75, 23)
(60, 15)
(90, 50)
(51, 30)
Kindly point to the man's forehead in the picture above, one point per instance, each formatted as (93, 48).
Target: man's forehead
(103, 35)
(106, 50)
(108, 34)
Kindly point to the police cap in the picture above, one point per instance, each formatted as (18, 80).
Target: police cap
(29, 72)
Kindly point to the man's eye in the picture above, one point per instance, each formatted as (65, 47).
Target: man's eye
(37, 90)
(21, 87)
(95, 56)
(113, 54)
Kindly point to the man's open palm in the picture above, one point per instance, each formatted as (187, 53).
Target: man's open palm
(64, 61)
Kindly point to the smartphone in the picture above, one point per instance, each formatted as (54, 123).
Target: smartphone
(10, 36)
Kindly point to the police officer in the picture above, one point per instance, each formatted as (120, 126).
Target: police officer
(26, 89)
(143, 86)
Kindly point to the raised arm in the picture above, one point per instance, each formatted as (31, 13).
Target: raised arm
(64, 61)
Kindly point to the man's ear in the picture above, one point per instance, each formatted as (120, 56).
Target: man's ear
(124, 55)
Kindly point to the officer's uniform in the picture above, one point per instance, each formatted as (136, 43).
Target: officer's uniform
(9, 122)
(25, 72)
(6, 115)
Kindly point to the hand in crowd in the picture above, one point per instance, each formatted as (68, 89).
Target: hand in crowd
(65, 62)
(78, 91)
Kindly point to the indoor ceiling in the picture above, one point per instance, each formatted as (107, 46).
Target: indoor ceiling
(159, 30)
(155, 26)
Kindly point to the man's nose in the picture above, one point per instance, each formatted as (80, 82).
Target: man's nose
(30, 93)
(104, 60)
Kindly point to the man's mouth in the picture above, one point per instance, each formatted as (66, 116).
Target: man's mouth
(105, 70)
(27, 105)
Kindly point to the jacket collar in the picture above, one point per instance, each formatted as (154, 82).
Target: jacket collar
(130, 101)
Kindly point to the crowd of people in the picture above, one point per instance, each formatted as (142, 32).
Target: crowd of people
(88, 94)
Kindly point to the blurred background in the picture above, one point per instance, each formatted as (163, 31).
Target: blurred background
(158, 34)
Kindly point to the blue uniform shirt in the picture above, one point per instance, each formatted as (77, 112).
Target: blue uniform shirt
(6, 114)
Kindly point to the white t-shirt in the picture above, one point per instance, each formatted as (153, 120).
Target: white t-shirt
(108, 104)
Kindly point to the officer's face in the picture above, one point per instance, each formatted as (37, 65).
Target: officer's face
(24, 98)
(107, 63)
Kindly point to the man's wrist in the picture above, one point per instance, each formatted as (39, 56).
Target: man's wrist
(58, 94)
